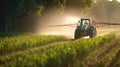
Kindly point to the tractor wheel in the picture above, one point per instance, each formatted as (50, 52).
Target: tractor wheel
(93, 33)
(77, 34)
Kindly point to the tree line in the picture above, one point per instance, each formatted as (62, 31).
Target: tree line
(11, 12)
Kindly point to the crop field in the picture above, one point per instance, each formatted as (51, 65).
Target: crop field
(34, 50)
(59, 33)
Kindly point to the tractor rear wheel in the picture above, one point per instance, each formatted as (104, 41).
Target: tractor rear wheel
(93, 33)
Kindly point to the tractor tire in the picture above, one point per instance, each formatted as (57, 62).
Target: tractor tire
(77, 34)
(93, 33)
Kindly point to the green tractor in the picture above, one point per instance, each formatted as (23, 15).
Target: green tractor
(85, 28)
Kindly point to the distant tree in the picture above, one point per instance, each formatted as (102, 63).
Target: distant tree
(105, 10)
(11, 10)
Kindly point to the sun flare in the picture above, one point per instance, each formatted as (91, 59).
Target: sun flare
(117, 0)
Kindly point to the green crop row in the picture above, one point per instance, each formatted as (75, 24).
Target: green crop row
(112, 58)
(21, 42)
(64, 54)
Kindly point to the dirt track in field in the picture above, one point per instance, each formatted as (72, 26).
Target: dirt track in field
(105, 52)
(113, 61)
(93, 63)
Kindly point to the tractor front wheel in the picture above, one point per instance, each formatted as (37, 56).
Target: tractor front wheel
(77, 34)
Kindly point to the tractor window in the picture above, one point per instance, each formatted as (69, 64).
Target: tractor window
(85, 22)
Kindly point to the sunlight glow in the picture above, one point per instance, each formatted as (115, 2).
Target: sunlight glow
(71, 19)
(117, 0)
(110, 0)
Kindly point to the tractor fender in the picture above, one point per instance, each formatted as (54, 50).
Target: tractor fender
(92, 27)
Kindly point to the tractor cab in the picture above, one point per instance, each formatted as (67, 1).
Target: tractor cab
(83, 24)
(85, 21)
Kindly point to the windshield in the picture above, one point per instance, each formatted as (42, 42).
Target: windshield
(85, 22)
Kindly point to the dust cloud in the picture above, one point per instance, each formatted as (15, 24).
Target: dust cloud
(105, 12)
(103, 30)
(52, 18)
(72, 16)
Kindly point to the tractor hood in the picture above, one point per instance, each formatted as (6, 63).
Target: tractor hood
(83, 27)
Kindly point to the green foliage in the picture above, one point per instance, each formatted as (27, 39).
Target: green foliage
(30, 7)
(22, 42)
(20, 7)
(62, 54)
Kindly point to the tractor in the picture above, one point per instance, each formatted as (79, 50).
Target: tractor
(85, 28)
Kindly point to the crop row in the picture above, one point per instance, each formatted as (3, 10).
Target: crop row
(21, 42)
(62, 54)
